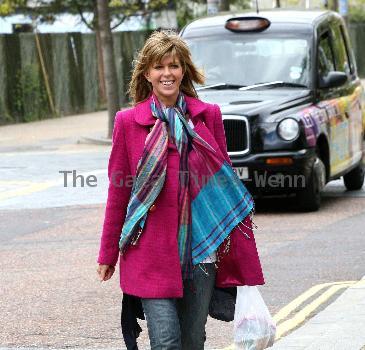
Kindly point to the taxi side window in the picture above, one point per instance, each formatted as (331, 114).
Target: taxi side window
(349, 52)
(326, 62)
(340, 51)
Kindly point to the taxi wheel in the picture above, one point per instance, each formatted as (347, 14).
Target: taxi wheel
(310, 196)
(354, 180)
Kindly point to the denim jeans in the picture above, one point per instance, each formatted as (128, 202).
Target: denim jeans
(179, 324)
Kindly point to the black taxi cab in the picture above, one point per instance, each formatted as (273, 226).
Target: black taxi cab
(291, 100)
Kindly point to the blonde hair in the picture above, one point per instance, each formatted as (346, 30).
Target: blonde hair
(157, 46)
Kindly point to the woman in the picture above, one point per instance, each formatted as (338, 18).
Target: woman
(173, 200)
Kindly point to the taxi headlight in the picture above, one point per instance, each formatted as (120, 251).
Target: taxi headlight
(288, 129)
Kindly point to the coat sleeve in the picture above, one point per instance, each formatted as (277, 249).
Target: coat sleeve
(219, 134)
(118, 195)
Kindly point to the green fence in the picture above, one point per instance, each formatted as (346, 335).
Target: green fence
(70, 68)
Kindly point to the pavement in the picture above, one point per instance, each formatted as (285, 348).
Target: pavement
(57, 133)
(341, 325)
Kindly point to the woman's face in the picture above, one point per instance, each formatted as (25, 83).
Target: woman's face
(166, 77)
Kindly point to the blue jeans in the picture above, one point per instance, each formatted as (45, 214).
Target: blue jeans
(179, 324)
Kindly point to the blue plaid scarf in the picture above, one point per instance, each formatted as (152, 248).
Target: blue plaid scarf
(212, 199)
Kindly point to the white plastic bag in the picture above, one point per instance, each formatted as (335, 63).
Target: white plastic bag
(254, 328)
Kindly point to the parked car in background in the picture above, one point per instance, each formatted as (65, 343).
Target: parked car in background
(291, 99)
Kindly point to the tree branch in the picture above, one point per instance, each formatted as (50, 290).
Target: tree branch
(83, 19)
(119, 23)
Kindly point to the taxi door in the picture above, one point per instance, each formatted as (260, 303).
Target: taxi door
(350, 94)
(338, 102)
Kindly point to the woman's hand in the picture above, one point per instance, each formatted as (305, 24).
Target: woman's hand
(105, 272)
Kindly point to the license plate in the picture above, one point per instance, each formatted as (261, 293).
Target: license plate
(242, 172)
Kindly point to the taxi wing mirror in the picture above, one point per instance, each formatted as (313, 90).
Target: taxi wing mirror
(332, 79)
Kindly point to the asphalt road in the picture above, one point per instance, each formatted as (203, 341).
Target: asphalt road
(49, 234)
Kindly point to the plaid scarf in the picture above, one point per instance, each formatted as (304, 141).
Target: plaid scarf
(211, 199)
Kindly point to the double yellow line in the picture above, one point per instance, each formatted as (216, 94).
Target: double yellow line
(326, 290)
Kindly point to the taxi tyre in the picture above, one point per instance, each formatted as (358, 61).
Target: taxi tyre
(310, 196)
(354, 179)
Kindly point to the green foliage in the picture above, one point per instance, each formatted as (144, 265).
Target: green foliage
(357, 14)
(187, 12)
(46, 10)
(241, 4)
(30, 95)
(184, 13)
(5, 116)
(7, 7)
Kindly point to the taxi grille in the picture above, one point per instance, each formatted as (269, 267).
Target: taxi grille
(237, 134)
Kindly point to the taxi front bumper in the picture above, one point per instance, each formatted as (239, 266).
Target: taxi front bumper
(273, 173)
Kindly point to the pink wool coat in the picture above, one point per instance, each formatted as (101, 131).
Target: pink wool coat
(151, 269)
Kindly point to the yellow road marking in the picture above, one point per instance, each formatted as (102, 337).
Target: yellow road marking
(287, 309)
(360, 284)
(306, 311)
(32, 187)
(14, 182)
(35, 187)
(231, 347)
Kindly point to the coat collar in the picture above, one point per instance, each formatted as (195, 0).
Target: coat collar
(144, 116)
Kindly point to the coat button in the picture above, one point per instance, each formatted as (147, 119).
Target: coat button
(152, 208)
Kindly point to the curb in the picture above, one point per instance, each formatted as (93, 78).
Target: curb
(93, 141)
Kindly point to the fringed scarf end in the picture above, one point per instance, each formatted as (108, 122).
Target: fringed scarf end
(225, 246)
(131, 242)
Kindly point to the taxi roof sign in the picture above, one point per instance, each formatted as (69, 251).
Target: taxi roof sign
(247, 24)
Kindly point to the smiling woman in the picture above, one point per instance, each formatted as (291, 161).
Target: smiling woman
(171, 227)
(164, 56)
(166, 77)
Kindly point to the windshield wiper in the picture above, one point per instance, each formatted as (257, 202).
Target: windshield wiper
(273, 84)
(220, 86)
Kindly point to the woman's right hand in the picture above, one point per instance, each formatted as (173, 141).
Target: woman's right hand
(105, 272)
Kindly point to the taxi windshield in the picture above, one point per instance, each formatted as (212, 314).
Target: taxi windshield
(249, 59)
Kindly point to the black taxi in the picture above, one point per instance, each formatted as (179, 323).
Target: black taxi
(291, 99)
